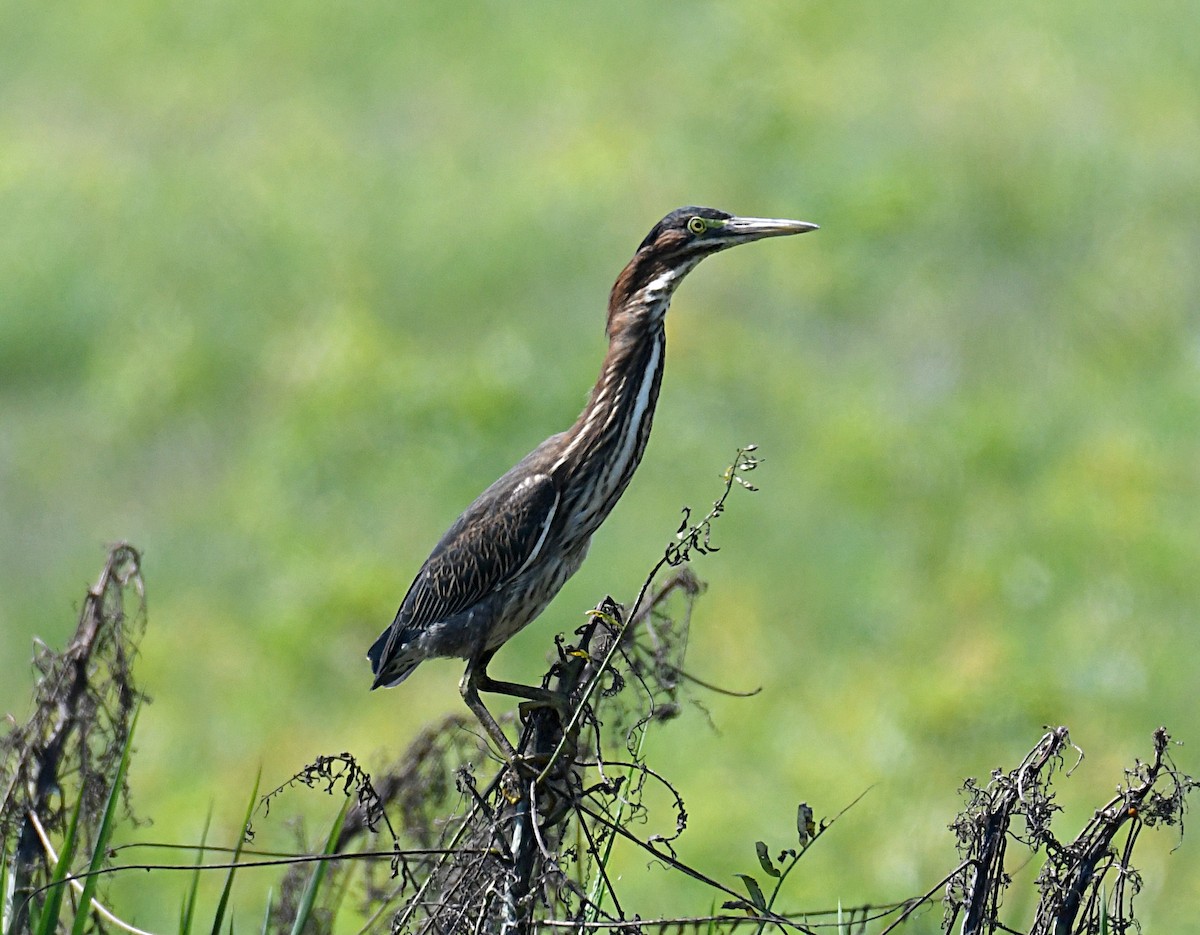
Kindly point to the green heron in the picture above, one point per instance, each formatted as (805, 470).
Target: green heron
(503, 560)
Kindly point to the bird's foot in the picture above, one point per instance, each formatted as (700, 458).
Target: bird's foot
(528, 766)
(557, 702)
(536, 699)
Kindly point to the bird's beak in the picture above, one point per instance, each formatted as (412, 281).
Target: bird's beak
(744, 230)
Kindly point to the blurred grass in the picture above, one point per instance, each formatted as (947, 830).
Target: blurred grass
(283, 287)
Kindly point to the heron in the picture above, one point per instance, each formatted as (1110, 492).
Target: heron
(511, 551)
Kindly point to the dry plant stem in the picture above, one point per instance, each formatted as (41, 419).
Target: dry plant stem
(1072, 879)
(985, 866)
(83, 703)
(606, 663)
(286, 861)
(685, 869)
(526, 823)
(912, 905)
(677, 924)
(602, 872)
(675, 555)
(458, 835)
(406, 783)
(543, 733)
(505, 860)
(77, 885)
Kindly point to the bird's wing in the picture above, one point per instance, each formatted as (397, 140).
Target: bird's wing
(498, 536)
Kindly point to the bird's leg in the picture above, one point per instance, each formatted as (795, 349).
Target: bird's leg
(540, 697)
(476, 679)
(469, 688)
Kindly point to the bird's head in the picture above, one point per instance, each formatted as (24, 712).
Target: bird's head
(677, 243)
(694, 233)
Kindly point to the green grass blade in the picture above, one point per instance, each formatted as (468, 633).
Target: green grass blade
(6, 899)
(597, 892)
(237, 853)
(188, 912)
(304, 910)
(104, 834)
(266, 926)
(48, 920)
(339, 896)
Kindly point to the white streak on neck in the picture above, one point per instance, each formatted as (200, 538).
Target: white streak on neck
(640, 405)
(655, 296)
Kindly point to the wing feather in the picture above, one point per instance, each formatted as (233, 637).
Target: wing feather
(497, 538)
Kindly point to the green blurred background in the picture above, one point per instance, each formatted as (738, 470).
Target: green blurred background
(283, 286)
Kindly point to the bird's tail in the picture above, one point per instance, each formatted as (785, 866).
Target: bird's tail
(389, 663)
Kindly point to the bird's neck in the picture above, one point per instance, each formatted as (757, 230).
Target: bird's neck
(606, 442)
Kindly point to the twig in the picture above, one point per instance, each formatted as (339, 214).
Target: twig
(76, 883)
(689, 537)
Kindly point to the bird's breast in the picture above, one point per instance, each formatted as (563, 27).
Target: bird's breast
(527, 595)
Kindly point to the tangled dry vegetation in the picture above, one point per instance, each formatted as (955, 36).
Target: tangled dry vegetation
(449, 840)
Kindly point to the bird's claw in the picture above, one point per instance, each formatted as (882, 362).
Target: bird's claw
(528, 766)
(559, 704)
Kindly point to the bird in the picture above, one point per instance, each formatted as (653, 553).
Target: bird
(508, 554)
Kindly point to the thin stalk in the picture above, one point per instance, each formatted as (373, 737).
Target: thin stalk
(233, 867)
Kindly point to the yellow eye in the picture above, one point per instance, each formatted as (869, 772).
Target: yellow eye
(696, 225)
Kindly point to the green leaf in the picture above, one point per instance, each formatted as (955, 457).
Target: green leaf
(6, 908)
(189, 903)
(755, 891)
(104, 834)
(48, 920)
(304, 909)
(764, 858)
(237, 853)
(266, 926)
